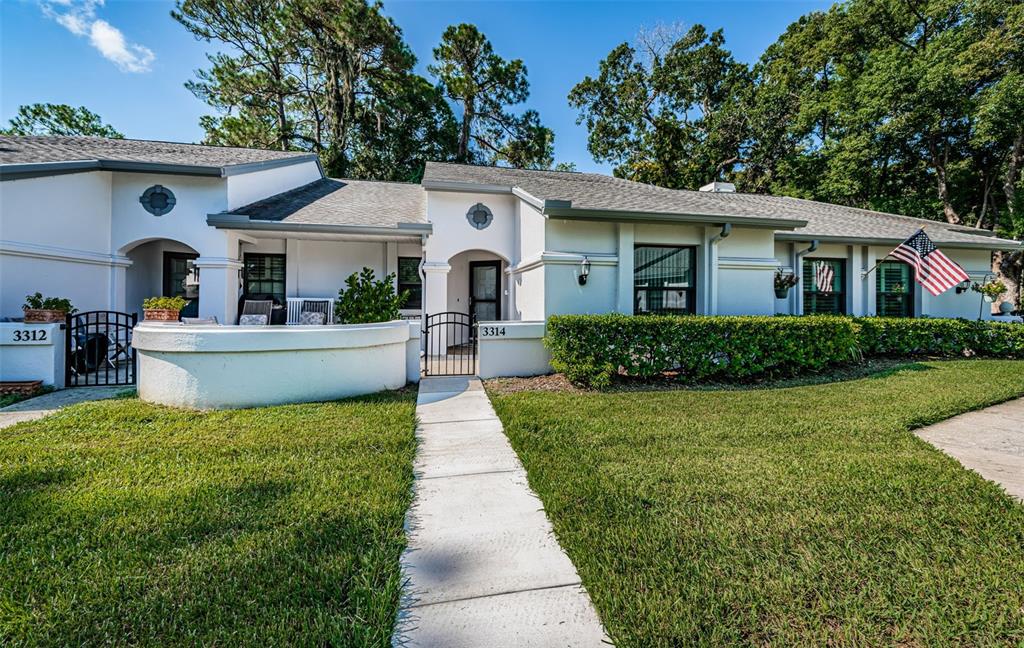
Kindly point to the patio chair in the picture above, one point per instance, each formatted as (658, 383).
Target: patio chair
(256, 312)
(199, 321)
(316, 307)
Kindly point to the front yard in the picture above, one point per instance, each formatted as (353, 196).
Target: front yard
(807, 515)
(126, 523)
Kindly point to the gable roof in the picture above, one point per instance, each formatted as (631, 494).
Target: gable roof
(333, 205)
(566, 194)
(43, 155)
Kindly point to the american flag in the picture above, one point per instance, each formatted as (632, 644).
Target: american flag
(823, 274)
(932, 269)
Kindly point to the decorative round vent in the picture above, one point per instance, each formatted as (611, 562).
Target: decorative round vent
(479, 216)
(157, 200)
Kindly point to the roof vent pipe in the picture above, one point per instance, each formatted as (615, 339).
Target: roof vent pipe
(726, 231)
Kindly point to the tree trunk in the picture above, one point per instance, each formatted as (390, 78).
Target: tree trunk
(1009, 266)
(468, 113)
(939, 162)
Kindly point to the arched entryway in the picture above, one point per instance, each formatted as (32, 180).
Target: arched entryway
(162, 268)
(478, 285)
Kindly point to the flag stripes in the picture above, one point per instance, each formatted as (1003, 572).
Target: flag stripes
(823, 274)
(932, 269)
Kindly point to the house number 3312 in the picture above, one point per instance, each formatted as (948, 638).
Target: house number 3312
(31, 335)
(492, 331)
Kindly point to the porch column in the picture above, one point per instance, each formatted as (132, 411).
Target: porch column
(118, 286)
(624, 289)
(218, 287)
(435, 300)
(868, 282)
(854, 287)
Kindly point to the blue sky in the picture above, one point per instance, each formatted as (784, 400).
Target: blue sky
(128, 61)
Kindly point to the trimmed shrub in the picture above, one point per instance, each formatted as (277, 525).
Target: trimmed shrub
(897, 336)
(591, 349)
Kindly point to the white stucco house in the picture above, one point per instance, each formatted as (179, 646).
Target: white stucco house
(107, 223)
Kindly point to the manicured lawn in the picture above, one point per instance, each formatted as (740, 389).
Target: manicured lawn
(800, 516)
(130, 524)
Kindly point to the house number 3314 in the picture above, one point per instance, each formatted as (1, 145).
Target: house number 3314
(492, 331)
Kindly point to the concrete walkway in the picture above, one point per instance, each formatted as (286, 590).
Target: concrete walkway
(40, 406)
(989, 441)
(483, 568)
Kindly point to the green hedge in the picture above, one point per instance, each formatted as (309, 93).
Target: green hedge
(591, 349)
(898, 336)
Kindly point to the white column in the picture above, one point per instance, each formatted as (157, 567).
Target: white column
(435, 300)
(624, 288)
(854, 298)
(218, 288)
(118, 286)
(291, 268)
(868, 282)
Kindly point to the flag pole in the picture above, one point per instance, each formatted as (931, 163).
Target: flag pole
(864, 273)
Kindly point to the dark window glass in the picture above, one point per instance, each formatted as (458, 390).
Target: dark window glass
(181, 279)
(409, 279)
(824, 302)
(664, 280)
(264, 275)
(894, 290)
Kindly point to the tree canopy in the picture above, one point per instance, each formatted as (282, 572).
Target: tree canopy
(58, 119)
(485, 86)
(907, 106)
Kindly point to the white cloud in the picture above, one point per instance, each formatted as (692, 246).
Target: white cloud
(110, 42)
(79, 18)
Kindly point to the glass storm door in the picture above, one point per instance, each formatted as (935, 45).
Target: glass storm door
(484, 290)
(181, 279)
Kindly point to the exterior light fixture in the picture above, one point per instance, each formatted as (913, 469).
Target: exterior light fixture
(963, 286)
(584, 271)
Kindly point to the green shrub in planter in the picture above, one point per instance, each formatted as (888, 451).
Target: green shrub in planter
(591, 349)
(164, 303)
(898, 336)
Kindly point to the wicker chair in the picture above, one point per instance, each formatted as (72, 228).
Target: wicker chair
(257, 307)
(319, 306)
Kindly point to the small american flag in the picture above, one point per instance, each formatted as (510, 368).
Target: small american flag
(932, 269)
(823, 274)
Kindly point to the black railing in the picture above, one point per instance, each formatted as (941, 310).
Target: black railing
(449, 344)
(98, 349)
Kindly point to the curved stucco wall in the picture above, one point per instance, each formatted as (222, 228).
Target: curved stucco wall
(215, 367)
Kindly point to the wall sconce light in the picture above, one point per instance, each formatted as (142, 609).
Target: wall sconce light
(963, 286)
(584, 271)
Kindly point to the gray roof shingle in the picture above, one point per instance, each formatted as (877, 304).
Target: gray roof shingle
(44, 149)
(592, 191)
(330, 201)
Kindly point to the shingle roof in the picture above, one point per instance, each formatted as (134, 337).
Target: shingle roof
(45, 149)
(592, 191)
(343, 202)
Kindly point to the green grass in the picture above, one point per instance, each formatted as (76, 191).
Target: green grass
(800, 516)
(130, 524)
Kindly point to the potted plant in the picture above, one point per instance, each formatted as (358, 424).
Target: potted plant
(783, 282)
(163, 309)
(39, 309)
(990, 290)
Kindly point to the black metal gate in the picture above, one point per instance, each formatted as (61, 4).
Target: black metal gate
(99, 349)
(449, 344)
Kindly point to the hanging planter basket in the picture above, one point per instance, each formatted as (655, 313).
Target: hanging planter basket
(781, 293)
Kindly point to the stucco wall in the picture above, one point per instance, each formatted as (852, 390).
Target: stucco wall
(213, 367)
(55, 239)
(249, 187)
(319, 268)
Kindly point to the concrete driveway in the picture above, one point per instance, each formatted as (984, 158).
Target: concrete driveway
(989, 441)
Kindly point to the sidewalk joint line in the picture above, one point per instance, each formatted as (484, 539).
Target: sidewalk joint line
(492, 595)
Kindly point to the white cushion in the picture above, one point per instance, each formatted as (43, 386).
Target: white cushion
(252, 320)
(310, 318)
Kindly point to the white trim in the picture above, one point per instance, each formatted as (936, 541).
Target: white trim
(562, 258)
(748, 263)
(33, 250)
(436, 266)
(217, 262)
